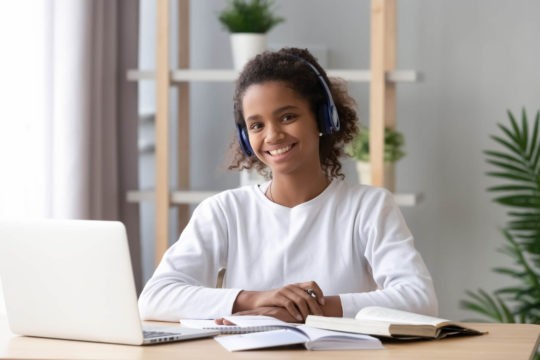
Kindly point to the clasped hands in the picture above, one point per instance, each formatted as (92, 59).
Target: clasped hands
(291, 303)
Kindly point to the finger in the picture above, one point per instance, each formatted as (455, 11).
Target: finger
(299, 298)
(312, 304)
(223, 321)
(316, 289)
(287, 303)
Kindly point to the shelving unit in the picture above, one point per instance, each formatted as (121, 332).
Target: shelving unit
(178, 76)
(194, 197)
(382, 77)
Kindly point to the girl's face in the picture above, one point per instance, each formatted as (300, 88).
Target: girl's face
(282, 128)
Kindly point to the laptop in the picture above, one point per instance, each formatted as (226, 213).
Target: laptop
(72, 279)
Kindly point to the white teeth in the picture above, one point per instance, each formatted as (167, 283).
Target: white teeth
(280, 151)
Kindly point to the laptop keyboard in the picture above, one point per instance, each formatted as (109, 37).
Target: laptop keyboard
(149, 334)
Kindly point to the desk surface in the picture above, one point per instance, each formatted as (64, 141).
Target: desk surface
(504, 341)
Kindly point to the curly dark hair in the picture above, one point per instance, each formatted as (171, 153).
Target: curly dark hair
(284, 65)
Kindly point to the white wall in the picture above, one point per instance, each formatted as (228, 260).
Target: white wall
(478, 57)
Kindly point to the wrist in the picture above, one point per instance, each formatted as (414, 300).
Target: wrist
(245, 300)
(332, 306)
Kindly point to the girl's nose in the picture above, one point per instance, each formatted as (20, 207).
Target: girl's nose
(273, 133)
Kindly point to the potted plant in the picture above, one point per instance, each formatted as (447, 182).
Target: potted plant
(248, 21)
(517, 165)
(393, 151)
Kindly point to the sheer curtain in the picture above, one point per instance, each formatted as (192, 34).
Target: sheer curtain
(68, 124)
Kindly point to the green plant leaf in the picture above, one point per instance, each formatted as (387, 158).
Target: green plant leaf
(494, 307)
(509, 290)
(525, 224)
(523, 201)
(519, 134)
(509, 272)
(534, 151)
(244, 16)
(518, 188)
(512, 167)
(507, 315)
(393, 145)
(482, 303)
(526, 213)
(503, 156)
(507, 145)
(516, 139)
(524, 131)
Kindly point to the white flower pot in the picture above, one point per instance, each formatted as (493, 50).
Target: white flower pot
(365, 175)
(245, 46)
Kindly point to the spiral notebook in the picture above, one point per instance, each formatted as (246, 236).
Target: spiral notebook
(243, 324)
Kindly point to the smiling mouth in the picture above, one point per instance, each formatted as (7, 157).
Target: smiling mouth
(280, 151)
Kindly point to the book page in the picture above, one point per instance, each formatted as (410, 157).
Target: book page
(311, 338)
(371, 327)
(198, 324)
(397, 316)
(261, 340)
(320, 339)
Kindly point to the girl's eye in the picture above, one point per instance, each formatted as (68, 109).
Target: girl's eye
(254, 126)
(288, 117)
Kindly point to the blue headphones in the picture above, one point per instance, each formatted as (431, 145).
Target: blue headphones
(327, 115)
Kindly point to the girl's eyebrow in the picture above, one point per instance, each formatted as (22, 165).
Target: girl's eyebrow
(275, 112)
(284, 108)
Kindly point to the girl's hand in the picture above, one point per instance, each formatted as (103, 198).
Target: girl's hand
(294, 298)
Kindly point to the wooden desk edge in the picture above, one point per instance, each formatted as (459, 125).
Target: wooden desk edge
(518, 340)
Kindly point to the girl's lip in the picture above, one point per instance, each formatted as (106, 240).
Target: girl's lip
(280, 151)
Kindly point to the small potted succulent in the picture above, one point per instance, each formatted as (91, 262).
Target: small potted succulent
(393, 151)
(248, 21)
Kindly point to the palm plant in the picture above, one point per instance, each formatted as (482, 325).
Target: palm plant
(518, 165)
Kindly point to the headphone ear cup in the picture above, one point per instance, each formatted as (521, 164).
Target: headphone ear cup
(244, 141)
(325, 119)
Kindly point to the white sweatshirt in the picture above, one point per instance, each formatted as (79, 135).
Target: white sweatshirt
(351, 239)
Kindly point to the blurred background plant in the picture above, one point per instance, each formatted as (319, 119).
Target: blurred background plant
(255, 16)
(393, 145)
(518, 165)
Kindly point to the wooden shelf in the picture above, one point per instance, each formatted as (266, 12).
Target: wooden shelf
(214, 75)
(381, 76)
(195, 197)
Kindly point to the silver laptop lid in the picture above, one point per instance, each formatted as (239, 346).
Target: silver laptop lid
(69, 279)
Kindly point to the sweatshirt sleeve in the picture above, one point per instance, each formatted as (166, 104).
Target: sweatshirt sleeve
(403, 280)
(183, 284)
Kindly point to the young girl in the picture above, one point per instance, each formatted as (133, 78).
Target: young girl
(305, 242)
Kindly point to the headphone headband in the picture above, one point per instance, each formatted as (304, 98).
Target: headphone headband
(328, 115)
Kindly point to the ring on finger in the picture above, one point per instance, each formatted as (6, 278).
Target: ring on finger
(311, 293)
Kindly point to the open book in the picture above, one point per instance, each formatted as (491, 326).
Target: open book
(258, 332)
(380, 321)
(311, 338)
